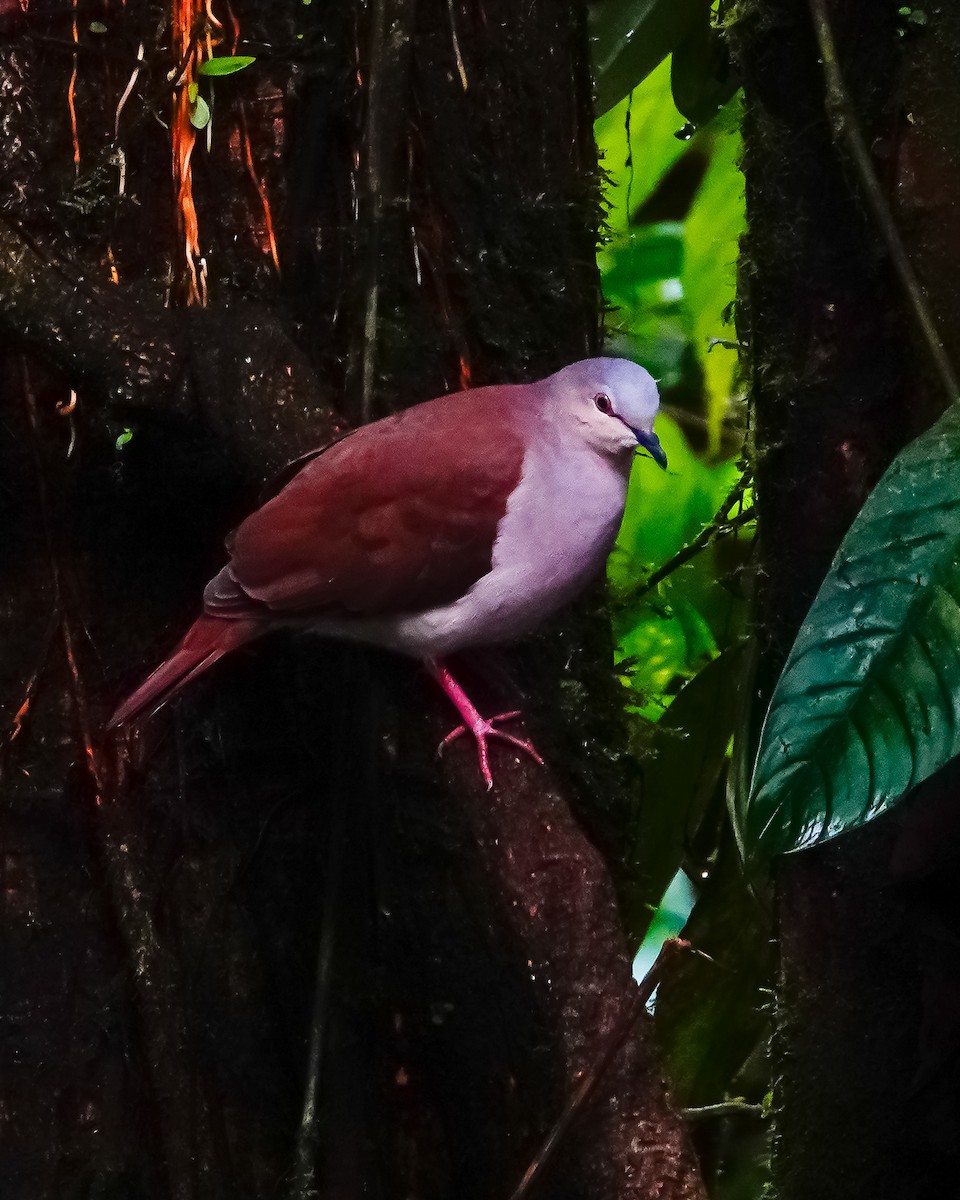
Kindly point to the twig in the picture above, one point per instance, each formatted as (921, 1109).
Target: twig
(846, 129)
(596, 1072)
(711, 534)
(729, 1108)
(374, 189)
(305, 1175)
(722, 525)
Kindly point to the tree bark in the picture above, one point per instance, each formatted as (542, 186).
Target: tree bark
(262, 945)
(863, 1102)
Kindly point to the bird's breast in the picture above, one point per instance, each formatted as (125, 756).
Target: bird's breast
(561, 521)
(554, 538)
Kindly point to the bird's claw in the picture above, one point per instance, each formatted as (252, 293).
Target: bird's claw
(484, 729)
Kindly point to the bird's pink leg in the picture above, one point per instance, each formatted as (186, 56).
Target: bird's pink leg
(482, 728)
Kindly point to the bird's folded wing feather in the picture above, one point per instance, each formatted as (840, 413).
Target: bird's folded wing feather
(398, 517)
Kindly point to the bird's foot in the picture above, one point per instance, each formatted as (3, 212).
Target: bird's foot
(483, 729)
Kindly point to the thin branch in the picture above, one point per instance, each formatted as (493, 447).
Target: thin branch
(712, 533)
(722, 525)
(729, 1108)
(846, 130)
(595, 1074)
(305, 1175)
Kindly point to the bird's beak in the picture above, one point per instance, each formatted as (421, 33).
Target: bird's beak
(651, 443)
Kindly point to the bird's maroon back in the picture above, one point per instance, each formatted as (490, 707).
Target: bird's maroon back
(397, 517)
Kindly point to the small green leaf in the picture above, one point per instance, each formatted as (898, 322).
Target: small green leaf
(97, 27)
(628, 38)
(200, 114)
(193, 91)
(126, 436)
(868, 704)
(227, 64)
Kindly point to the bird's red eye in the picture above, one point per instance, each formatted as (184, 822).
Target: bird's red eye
(602, 401)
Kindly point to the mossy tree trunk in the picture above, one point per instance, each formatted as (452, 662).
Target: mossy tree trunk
(265, 946)
(866, 1031)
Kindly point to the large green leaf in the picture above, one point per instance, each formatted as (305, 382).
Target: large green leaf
(628, 38)
(690, 748)
(868, 704)
(711, 247)
(638, 143)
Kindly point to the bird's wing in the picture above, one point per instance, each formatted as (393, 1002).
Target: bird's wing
(398, 517)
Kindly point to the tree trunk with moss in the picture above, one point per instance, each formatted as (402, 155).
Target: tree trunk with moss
(866, 1031)
(264, 945)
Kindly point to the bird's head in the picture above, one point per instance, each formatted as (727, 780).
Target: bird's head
(613, 402)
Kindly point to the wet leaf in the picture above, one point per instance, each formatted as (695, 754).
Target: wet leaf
(628, 38)
(868, 704)
(701, 76)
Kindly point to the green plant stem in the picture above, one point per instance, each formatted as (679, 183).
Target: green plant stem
(712, 533)
(729, 1108)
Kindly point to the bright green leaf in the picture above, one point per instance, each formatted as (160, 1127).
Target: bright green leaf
(637, 165)
(227, 64)
(649, 255)
(868, 704)
(628, 38)
(712, 234)
(193, 91)
(199, 114)
(124, 438)
(671, 633)
(666, 509)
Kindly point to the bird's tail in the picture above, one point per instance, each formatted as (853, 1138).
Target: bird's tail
(207, 639)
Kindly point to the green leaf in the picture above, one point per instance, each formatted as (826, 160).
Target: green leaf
(649, 255)
(628, 38)
(199, 113)
(711, 1013)
(227, 64)
(712, 233)
(868, 704)
(701, 77)
(690, 744)
(123, 438)
(674, 631)
(638, 163)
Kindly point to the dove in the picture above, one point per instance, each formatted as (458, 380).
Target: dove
(457, 523)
